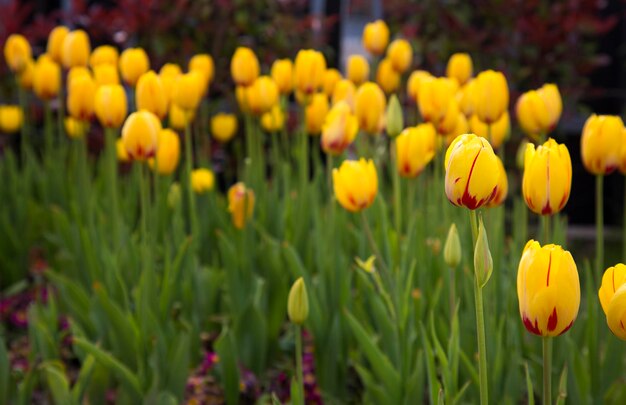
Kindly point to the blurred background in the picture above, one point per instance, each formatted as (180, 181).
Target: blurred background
(578, 44)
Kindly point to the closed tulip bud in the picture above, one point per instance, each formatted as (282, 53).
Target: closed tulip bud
(612, 295)
(133, 63)
(168, 153)
(370, 105)
(150, 95)
(548, 289)
(17, 52)
(547, 180)
(106, 74)
(452, 252)
(472, 173)
(601, 143)
(483, 263)
(376, 37)
(532, 114)
(168, 74)
(282, 73)
(76, 72)
(273, 120)
(75, 129)
(400, 54)
(315, 113)
(262, 95)
(104, 55)
(497, 133)
(80, 97)
(395, 119)
(466, 96)
(140, 134)
(122, 154)
(203, 63)
(434, 98)
(76, 49)
(170, 69)
(492, 96)
(552, 97)
(358, 69)
(223, 127)
(187, 92)
(298, 303)
(386, 77)
(244, 67)
(459, 68)
(503, 187)
(11, 118)
(240, 204)
(26, 75)
(344, 91)
(413, 84)
(340, 129)
(449, 121)
(179, 118)
(415, 148)
(331, 78)
(110, 105)
(355, 184)
(55, 43)
(202, 180)
(309, 70)
(46, 78)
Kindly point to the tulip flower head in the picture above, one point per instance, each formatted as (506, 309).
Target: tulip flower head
(104, 55)
(262, 95)
(466, 96)
(357, 69)
(344, 91)
(223, 127)
(244, 67)
(17, 52)
(202, 180)
(612, 295)
(491, 96)
(75, 129)
(110, 105)
(298, 303)
(415, 148)
(386, 77)
(309, 70)
(11, 118)
(601, 143)
(339, 130)
(168, 152)
(240, 204)
(179, 118)
(452, 252)
(370, 106)
(460, 68)
(133, 63)
(532, 114)
(331, 78)
(400, 54)
(187, 91)
(169, 74)
(274, 119)
(315, 113)
(376, 37)
(76, 49)
(55, 43)
(81, 96)
(495, 133)
(282, 73)
(140, 134)
(105, 73)
(552, 98)
(502, 189)
(203, 64)
(150, 94)
(548, 289)
(355, 184)
(414, 83)
(46, 78)
(434, 98)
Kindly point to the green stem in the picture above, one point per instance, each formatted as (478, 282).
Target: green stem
(452, 293)
(299, 372)
(599, 226)
(547, 370)
(48, 139)
(61, 113)
(191, 199)
(397, 208)
(547, 229)
(143, 186)
(111, 157)
(25, 132)
(329, 177)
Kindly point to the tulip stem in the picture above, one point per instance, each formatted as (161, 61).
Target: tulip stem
(547, 370)
(547, 231)
(397, 207)
(599, 226)
(111, 156)
(25, 133)
(300, 374)
(48, 127)
(193, 219)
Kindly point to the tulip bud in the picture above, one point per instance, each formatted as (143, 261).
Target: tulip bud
(414, 83)
(370, 107)
(11, 118)
(150, 95)
(133, 63)
(340, 129)
(612, 295)
(466, 96)
(492, 96)
(459, 68)
(376, 37)
(434, 98)
(110, 105)
(202, 180)
(80, 97)
(122, 154)
(75, 129)
(315, 113)
(331, 78)
(174, 195)
(502, 188)
(282, 74)
(55, 43)
(17, 52)
(168, 153)
(140, 135)
(298, 303)
(386, 77)
(344, 91)
(483, 264)
(452, 252)
(273, 120)
(179, 118)
(76, 49)
(532, 114)
(106, 74)
(46, 78)
(203, 64)
(104, 55)
(26, 75)
(262, 95)
(450, 119)
(309, 70)
(601, 143)
(168, 74)
(415, 148)
(355, 184)
(223, 127)
(472, 173)
(552, 98)
(548, 289)
(187, 92)
(244, 66)
(395, 119)
(358, 69)
(495, 133)
(240, 204)
(400, 54)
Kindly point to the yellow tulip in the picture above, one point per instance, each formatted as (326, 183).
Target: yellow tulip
(612, 295)
(532, 114)
(110, 105)
(461, 127)
(331, 78)
(414, 83)
(46, 78)
(150, 95)
(548, 289)
(80, 97)
(503, 187)
(75, 129)
(170, 69)
(133, 63)
(339, 130)
(315, 113)
(240, 204)
(450, 120)
(434, 98)
(241, 94)
(203, 63)
(601, 143)
(140, 134)
(386, 77)
(552, 97)
(202, 180)
(187, 92)
(168, 152)
(472, 174)
(104, 54)
(262, 95)
(76, 49)
(355, 184)
(309, 70)
(244, 66)
(282, 73)
(179, 118)
(466, 96)
(358, 69)
(223, 127)
(26, 75)
(122, 154)
(500, 129)
(492, 96)
(168, 75)
(370, 106)
(459, 68)
(11, 118)
(55, 43)
(274, 119)
(344, 91)
(17, 52)
(105, 73)
(415, 148)
(400, 54)
(376, 37)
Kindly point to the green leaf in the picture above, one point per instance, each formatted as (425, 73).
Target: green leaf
(560, 400)
(529, 386)
(5, 372)
(57, 382)
(225, 347)
(84, 376)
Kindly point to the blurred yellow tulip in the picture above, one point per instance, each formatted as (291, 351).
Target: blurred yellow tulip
(386, 77)
(179, 118)
(415, 148)
(413, 84)
(460, 68)
(355, 184)
(168, 75)
(602, 143)
(240, 204)
(309, 69)
(104, 54)
(105, 73)
(400, 53)
(75, 129)
(497, 133)
(241, 94)
(111, 105)
(122, 154)
(274, 119)
(150, 95)
(344, 91)
(552, 97)
(46, 78)
(168, 152)
(133, 63)
(282, 73)
(140, 134)
(376, 37)
(244, 67)
(203, 63)
(315, 113)
(612, 295)
(331, 78)
(187, 91)
(76, 49)
(461, 127)
(17, 52)
(434, 98)
(449, 121)
(11, 118)
(503, 187)
(358, 69)
(532, 114)
(27, 75)
(370, 106)
(466, 96)
(80, 97)
(262, 95)
(339, 129)
(55, 43)
(202, 180)
(223, 127)
(491, 97)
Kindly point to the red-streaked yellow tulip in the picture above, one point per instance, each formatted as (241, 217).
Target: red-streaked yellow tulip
(434, 98)
(309, 69)
(414, 82)
(548, 289)
(80, 97)
(274, 119)
(415, 148)
(344, 91)
(75, 129)
(503, 187)
(187, 91)
(11, 118)
(110, 105)
(17, 52)
(602, 144)
(282, 73)
(339, 130)
(262, 95)
(168, 152)
(331, 78)
(244, 67)
(376, 37)
(133, 63)
(223, 127)
(46, 78)
(612, 295)
(140, 134)
(355, 184)
(386, 77)
(357, 69)
(104, 54)
(370, 106)
(315, 113)
(472, 174)
(150, 95)
(55, 43)
(400, 54)
(460, 68)
(240, 204)
(76, 49)
(497, 133)
(491, 96)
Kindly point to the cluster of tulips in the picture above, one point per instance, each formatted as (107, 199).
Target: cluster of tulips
(464, 120)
